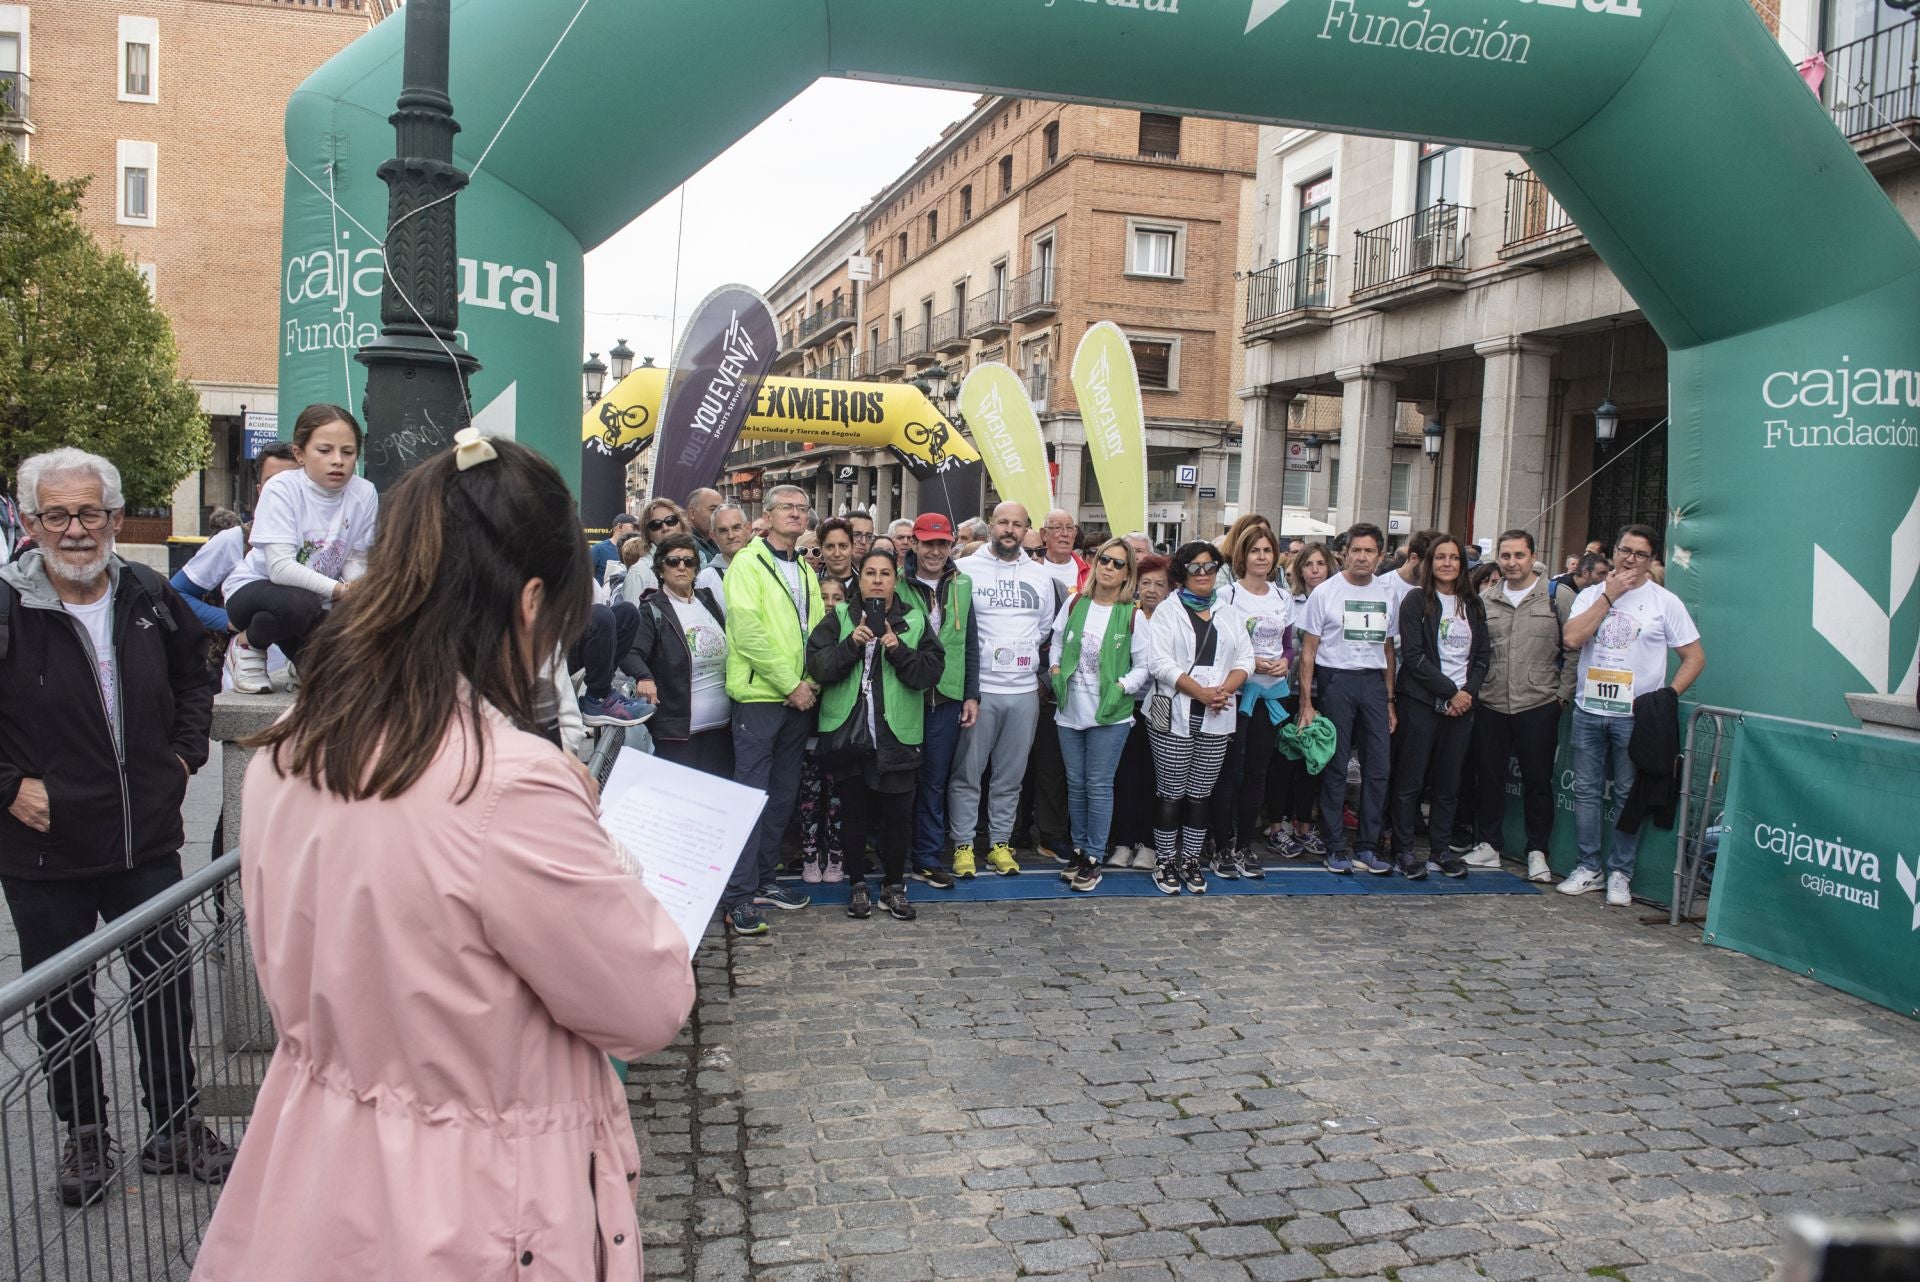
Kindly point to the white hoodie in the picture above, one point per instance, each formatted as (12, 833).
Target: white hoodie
(1015, 602)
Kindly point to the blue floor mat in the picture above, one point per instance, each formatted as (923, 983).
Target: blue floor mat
(1042, 881)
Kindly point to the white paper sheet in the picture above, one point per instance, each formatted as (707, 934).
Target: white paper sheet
(685, 828)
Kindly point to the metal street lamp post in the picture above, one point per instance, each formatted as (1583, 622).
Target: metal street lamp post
(417, 371)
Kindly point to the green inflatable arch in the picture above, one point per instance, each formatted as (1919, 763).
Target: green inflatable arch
(1779, 275)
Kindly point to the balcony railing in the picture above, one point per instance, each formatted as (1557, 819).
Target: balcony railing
(827, 321)
(1532, 213)
(838, 371)
(13, 95)
(879, 360)
(1429, 240)
(1874, 82)
(1031, 295)
(948, 336)
(913, 344)
(987, 314)
(1299, 284)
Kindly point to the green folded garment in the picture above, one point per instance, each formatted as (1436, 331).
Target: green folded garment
(1315, 743)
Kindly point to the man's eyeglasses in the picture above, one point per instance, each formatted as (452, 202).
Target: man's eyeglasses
(1631, 554)
(57, 519)
(680, 562)
(786, 507)
(663, 523)
(1111, 562)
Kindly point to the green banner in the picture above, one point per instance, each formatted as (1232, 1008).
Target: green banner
(1818, 858)
(1006, 431)
(1108, 388)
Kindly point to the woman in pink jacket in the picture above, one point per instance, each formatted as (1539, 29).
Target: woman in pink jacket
(450, 945)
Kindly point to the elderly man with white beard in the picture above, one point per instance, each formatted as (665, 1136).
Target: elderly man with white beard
(105, 700)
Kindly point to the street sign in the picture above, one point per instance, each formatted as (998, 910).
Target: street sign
(259, 429)
(1209, 492)
(1297, 458)
(1189, 475)
(1399, 523)
(859, 267)
(843, 474)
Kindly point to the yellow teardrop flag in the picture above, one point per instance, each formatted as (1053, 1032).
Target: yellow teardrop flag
(1107, 386)
(1006, 431)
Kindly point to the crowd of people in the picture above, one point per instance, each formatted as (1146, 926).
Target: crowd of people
(927, 700)
(940, 696)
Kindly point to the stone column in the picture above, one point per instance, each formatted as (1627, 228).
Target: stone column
(1263, 462)
(1066, 489)
(1511, 486)
(882, 499)
(1367, 408)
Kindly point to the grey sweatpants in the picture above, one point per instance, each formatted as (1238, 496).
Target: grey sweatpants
(1002, 735)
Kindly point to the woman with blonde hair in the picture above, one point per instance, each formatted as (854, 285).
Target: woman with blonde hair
(659, 519)
(450, 945)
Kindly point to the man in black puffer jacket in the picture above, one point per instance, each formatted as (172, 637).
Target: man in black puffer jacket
(104, 709)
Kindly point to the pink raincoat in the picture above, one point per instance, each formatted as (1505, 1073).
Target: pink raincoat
(447, 981)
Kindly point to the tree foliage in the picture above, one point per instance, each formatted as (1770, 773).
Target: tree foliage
(86, 357)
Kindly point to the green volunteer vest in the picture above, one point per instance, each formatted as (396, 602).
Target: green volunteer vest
(1116, 658)
(953, 636)
(906, 710)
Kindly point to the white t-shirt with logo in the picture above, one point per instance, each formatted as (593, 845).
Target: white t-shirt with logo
(1456, 639)
(97, 619)
(1354, 623)
(1014, 602)
(217, 558)
(1266, 616)
(331, 530)
(1627, 656)
(707, 643)
(1081, 711)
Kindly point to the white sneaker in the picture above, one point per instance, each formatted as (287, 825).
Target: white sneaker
(1143, 858)
(292, 677)
(1482, 856)
(1120, 857)
(1619, 890)
(247, 668)
(1580, 881)
(1537, 869)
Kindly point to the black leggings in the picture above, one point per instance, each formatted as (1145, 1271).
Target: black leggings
(275, 614)
(886, 817)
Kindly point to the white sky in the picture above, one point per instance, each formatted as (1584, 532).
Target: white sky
(758, 207)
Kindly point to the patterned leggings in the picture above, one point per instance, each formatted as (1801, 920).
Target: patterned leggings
(1185, 769)
(821, 825)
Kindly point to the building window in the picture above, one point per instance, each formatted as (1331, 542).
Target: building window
(1159, 135)
(1295, 488)
(873, 338)
(139, 59)
(1231, 491)
(879, 265)
(1400, 488)
(1006, 174)
(136, 185)
(1050, 136)
(1333, 484)
(1156, 249)
(933, 226)
(1158, 360)
(903, 247)
(926, 318)
(899, 327)
(1438, 180)
(966, 204)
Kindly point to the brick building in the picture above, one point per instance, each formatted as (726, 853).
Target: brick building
(1023, 225)
(174, 108)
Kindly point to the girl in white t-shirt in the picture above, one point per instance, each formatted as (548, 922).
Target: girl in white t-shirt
(1265, 608)
(311, 533)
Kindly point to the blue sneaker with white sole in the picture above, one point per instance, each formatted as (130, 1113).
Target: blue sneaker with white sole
(1372, 863)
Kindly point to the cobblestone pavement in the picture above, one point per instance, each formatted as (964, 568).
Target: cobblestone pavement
(1268, 1089)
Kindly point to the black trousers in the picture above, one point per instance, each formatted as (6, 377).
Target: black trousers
(1133, 791)
(1432, 748)
(52, 915)
(709, 751)
(1534, 737)
(885, 817)
(610, 633)
(1241, 794)
(275, 614)
(1044, 801)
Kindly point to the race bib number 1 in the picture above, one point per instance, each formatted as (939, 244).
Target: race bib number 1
(1364, 621)
(1608, 691)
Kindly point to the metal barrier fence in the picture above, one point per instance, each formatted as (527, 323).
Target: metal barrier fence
(109, 1010)
(1704, 773)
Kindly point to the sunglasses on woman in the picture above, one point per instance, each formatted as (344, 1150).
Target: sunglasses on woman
(680, 562)
(1111, 562)
(1203, 567)
(663, 523)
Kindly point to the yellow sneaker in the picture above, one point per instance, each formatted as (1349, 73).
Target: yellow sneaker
(963, 860)
(1001, 860)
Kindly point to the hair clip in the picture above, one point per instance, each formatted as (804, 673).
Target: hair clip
(470, 448)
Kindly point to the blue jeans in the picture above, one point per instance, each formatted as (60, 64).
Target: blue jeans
(942, 736)
(1595, 740)
(1093, 758)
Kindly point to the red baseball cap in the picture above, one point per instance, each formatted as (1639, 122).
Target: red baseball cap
(932, 525)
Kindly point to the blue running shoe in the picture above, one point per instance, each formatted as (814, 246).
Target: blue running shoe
(615, 710)
(1339, 863)
(744, 921)
(1372, 863)
(780, 897)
